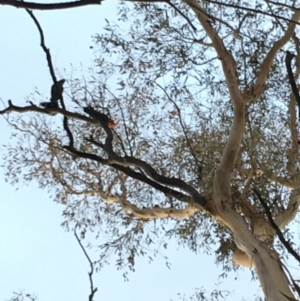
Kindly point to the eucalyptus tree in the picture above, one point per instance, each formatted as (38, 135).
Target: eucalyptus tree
(204, 142)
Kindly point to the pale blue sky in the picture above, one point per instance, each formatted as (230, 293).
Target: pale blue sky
(35, 252)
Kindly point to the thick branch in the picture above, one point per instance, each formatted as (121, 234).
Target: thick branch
(228, 63)
(150, 171)
(265, 67)
(136, 175)
(131, 161)
(158, 212)
(230, 153)
(150, 213)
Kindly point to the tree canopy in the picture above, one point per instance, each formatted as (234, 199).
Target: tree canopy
(204, 146)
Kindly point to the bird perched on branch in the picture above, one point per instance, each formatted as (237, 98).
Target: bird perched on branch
(56, 94)
(100, 116)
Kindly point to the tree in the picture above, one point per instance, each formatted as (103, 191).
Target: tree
(206, 139)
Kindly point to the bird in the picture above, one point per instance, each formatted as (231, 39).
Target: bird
(56, 94)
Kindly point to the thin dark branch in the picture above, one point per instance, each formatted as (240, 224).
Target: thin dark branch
(275, 227)
(52, 72)
(124, 124)
(48, 6)
(182, 125)
(271, 10)
(34, 108)
(91, 272)
(288, 62)
(181, 14)
(257, 11)
(281, 4)
(66, 5)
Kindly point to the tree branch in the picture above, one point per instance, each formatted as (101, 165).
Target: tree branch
(91, 272)
(288, 63)
(275, 227)
(48, 6)
(52, 73)
(34, 108)
(287, 215)
(253, 10)
(230, 153)
(181, 124)
(114, 159)
(158, 212)
(138, 176)
(265, 66)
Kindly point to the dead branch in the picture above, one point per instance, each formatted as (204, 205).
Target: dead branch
(34, 108)
(48, 6)
(91, 272)
(52, 73)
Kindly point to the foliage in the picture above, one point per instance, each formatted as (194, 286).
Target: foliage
(165, 86)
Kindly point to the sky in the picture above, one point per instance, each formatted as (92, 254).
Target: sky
(36, 254)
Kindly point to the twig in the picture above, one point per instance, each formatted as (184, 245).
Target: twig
(181, 14)
(182, 125)
(257, 11)
(124, 123)
(91, 272)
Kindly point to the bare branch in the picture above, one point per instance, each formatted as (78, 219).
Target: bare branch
(124, 123)
(34, 108)
(48, 6)
(180, 13)
(292, 155)
(91, 272)
(52, 72)
(181, 124)
(253, 10)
